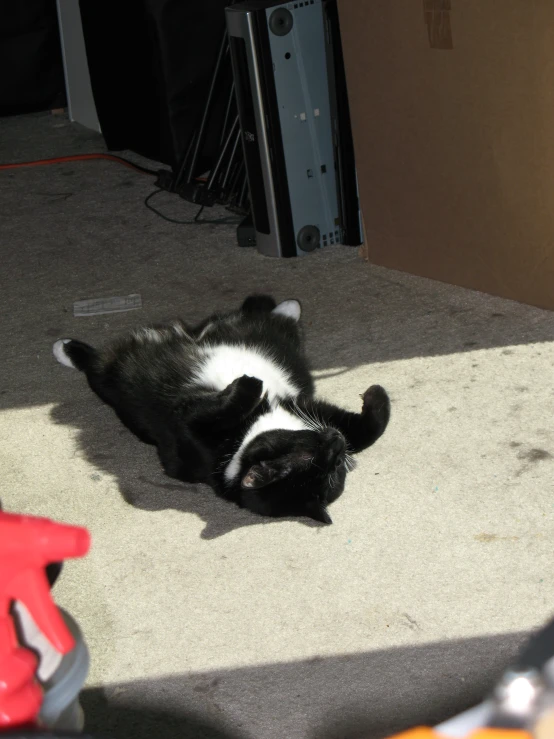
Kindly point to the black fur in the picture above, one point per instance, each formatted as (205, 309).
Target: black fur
(149, 380)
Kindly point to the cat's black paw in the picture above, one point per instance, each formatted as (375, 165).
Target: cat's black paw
(258, 304)
(376, 403)
(247, 392)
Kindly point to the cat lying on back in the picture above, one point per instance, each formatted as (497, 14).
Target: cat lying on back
(230, 403)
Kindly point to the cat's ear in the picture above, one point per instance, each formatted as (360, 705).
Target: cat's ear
(315, 510)
(264, 473)
(288, 309)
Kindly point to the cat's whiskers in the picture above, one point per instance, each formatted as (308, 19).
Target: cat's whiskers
(350, 462)
(313, 423)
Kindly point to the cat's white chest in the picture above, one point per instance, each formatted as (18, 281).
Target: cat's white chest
(223, 364)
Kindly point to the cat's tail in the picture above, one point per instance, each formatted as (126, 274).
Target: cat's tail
(75, 354)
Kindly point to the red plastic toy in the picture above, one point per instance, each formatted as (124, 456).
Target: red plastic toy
(27, 545)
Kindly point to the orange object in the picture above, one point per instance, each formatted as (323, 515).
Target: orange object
(425, 732)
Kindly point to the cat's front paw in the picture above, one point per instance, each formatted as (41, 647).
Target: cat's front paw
(376, 403)
(247, 392)
(247, 385)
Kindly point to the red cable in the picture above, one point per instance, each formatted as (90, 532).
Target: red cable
(77, 158)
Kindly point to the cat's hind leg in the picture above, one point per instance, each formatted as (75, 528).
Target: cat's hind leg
(258, 304)
(264, 304)
(83, 357)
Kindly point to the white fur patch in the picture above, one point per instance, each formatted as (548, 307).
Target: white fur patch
(224, 363)
(278, 418)
(59, 353)
(288, 309)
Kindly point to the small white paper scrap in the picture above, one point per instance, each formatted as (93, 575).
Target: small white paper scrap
(99, 306)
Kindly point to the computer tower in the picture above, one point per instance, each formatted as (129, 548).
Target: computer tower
(287, 67)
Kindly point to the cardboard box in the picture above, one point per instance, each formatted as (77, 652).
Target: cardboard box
(452, 105)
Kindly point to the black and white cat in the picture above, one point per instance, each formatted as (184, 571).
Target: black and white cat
(230, 402)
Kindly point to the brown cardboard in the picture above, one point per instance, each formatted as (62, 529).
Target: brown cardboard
(452, 104)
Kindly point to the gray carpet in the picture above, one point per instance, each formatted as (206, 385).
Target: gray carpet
(203, 620)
